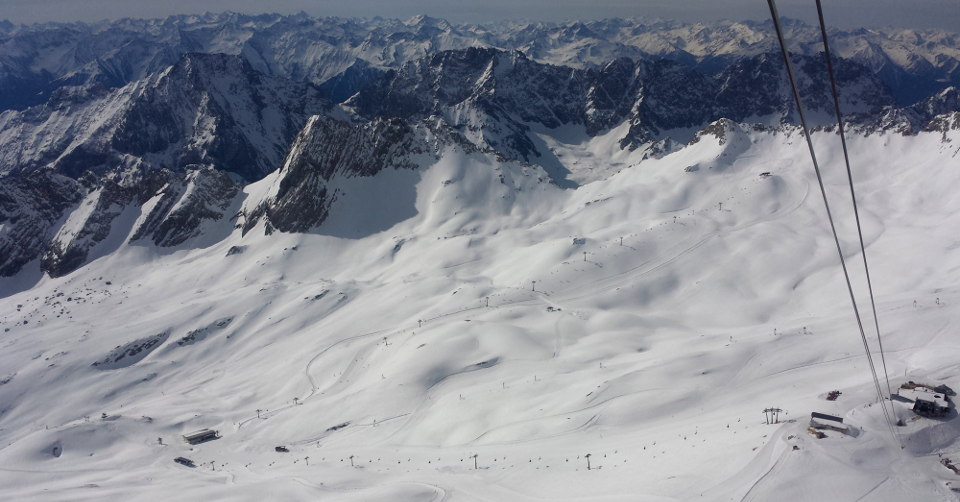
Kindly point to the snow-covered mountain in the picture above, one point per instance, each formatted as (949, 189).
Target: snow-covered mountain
(38, 59)
(149, 144)
(205, 109)
(392, 245)
(673, 302)
(130, 147)
(213, 113)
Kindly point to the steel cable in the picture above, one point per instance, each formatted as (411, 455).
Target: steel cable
(816, 166)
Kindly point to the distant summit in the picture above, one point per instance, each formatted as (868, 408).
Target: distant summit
(171, 119)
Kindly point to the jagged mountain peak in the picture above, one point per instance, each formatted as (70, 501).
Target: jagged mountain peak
(589, 244)
(236, 92)
(423, 20)
(317, 49)
(185, 137)
(304, 189)
(205, 109)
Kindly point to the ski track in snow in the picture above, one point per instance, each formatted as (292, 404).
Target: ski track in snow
(665, 393)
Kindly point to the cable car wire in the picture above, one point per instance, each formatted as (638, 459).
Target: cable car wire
(816, 166)
(853, 195)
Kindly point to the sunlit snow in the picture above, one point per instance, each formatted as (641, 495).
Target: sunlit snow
(470, 331)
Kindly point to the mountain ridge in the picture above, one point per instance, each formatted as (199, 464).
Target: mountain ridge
(206, 124)
(913, 63)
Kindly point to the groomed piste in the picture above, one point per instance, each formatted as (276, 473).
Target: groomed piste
(480, 338)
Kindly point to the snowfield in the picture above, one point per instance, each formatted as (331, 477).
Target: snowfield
(469, 331)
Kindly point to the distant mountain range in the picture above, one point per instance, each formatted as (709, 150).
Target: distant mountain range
(38, 59)
(149, 128)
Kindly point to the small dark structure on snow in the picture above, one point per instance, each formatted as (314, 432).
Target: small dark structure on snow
(184, 461)
(927, 402)
(201, 436)
(945, 390)
(281, 449)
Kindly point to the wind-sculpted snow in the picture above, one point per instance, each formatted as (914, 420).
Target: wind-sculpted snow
(405, 260)
(645, 318)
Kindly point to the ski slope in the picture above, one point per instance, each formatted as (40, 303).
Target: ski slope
(405, 339)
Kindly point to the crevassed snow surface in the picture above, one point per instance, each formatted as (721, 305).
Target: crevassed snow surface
(405, 341)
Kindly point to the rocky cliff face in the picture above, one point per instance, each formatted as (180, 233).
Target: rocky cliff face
(61, 221)
(184, 204)
(145, 131)
(37, 60)
(757, 87)
(178, 135)
(206, 109)
(30, 207)
(485, 90)
(89, 224)
(328, 148)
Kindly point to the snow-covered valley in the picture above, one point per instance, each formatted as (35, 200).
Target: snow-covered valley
(468, 330)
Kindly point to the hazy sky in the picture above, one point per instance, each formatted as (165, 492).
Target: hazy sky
(842, 13)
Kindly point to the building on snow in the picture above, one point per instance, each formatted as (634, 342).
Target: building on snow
(201, 436)
(926, 402)
(824, 421)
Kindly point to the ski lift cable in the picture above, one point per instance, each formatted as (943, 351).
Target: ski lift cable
(853, 195)
(816, 166)
(806, 132)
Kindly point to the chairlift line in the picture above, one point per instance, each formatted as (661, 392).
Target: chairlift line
(816, 166)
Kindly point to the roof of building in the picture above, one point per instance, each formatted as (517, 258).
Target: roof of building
(924, 394)
(820, 423)
(199, 433)
(824, 416)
